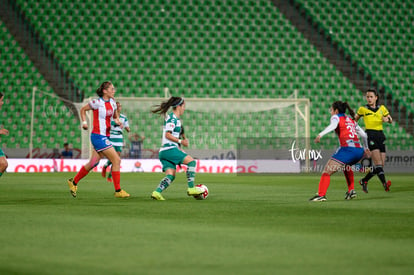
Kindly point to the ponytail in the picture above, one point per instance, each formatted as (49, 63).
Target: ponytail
(162, 108)
(351, 112)
(342, 107)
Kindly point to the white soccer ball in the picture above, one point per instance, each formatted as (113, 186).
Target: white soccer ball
(204, 195)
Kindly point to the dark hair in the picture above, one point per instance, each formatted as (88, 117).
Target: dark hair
(162, 108)
(372, 90)
(342, 107)
(105, 85)
(1, 94)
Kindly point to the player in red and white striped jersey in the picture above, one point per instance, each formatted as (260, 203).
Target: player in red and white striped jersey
(104, 111)
(350, 151)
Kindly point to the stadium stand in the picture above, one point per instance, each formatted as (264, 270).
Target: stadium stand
(378, 35)
(243, 49)
(53, 123)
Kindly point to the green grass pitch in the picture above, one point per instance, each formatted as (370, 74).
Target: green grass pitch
(252, 224)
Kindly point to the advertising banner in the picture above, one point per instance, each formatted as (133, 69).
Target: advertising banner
(154, 165)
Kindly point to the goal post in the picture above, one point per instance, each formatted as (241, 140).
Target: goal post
(216, 126)
(52, 121)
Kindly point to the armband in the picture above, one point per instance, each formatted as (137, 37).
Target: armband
(179, 141)
(84, 122)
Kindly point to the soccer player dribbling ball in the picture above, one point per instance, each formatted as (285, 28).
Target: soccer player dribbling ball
(374, 116)
(3, 161)
(104, 110)
(170, 154)
(350, 151)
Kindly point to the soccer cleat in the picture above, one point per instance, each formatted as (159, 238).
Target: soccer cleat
(364, 185)
(103, 173)
(387, 186)
(121, 194)
(157, 196)
(318, 198)
(350, 195)
(73, 188)
(194, 191)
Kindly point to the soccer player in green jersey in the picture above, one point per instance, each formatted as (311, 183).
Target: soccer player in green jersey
(170, 154)
(3, 160)
(116, 137)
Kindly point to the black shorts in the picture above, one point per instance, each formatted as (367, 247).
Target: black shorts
(376, 140)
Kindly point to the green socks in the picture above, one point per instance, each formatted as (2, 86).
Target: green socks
(108, 163)
(168, 179)
(191, 173)
(165, 182)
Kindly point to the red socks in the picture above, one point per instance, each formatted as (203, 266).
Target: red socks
(324, 184)
(80, 175)
(349, 176)
(116, 176)
(326, 179)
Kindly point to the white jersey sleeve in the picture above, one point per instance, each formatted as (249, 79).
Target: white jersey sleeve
(364, 137)
(331, 127)
(169, 126)
(126, 123)
(95, 103)
(172, 124)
